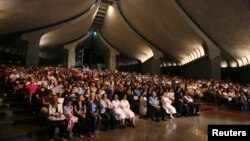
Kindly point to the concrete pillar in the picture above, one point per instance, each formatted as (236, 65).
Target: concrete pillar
(111, 60)
(71, 47)
(153, 65)
(112, 52)
(32, 53)
(71, 54)
(216, 68)
(213, 50)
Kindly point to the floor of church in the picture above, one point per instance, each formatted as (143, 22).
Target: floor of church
(178, 129)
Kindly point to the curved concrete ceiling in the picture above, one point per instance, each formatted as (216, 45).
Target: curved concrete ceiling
(70, 31)
(21, 15)
(227, 22)
(123, 38)
(161, 24)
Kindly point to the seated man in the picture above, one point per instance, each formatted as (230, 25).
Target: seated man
(190, 109)
(155, 107)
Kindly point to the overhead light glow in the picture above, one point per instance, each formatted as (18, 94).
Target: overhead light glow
(169, 64)
(197, 53)
(192, 56)
(201, 51)
(233, 64)
(224, 64)
(244, 60)
(240, 62)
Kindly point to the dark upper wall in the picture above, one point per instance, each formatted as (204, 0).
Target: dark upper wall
(237, 74)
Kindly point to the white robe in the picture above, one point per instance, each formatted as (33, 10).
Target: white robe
(126, 109)
(166, 104)
(118, 111)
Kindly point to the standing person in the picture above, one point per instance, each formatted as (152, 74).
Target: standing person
(128, 112)
(178, 101)
(243, 102)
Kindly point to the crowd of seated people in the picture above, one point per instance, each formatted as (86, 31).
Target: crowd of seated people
(91, 98)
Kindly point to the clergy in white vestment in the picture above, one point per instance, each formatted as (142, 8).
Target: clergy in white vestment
(120, 115)
(166, 104)
(126, 109)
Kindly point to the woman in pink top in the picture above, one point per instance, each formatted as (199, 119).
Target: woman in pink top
(31, 88)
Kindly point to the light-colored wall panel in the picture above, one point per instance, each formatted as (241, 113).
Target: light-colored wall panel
(159, 22)
(226, 21)
(124, 39)
(20, 15)
(69, 32)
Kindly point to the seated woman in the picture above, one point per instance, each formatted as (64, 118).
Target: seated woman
(56, 118)
(80, 111)
(31, 88)
(68, 112)
(107, 112)
(93, 113)
(126, 109)
(166, 104)
(120, 115)
(143, 106)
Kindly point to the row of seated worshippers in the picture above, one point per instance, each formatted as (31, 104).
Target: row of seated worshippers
(87, 114)
(229, 93)
(70, 83)
(86, 81)
(155, 105)
(60, 79)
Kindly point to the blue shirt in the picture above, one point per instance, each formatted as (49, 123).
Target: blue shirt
(153, 101)
(93, 107)
(137, 92)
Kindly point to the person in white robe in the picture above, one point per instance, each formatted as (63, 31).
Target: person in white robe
(120, 115)
(143, 105)
(166, 104)
(128, 112)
